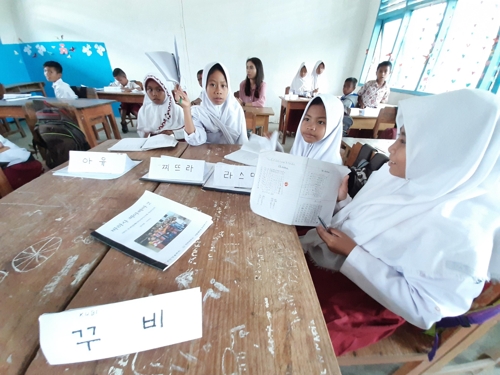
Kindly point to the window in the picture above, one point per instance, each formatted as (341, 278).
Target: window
(437, 46)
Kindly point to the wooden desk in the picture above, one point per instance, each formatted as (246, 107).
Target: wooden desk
(382, 145)
(59, 212)
(7, 110)
(26, 88)
(287, 106)
(268, 322)
(261, 116)
(87, 110)
(122, 97)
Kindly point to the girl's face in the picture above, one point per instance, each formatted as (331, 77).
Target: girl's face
(303, 72)
(217, 88)
(397, 156)
(313, 126)
(320, 69)
(155, 92)
(251, 70)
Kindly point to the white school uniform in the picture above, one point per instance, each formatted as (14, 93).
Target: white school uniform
(427, 243)
(317, 79)
(328, 148)
(62, 90)
(14, 155)
(219, 124)
(156, 118)
(301, 84)
(130, 85)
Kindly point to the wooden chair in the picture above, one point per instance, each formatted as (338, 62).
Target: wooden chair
(5, 187)
(237, 94)
(5, 129)
(386, 115)
(409, 345)
(251, 120)
(90, 93)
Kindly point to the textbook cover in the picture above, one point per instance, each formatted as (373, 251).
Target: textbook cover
(154, 230)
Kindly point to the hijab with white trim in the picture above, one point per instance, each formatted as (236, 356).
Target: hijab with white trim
(328, 148)
(317, 79)
(443, 219)
(301, 84)
(227, 118)
(155, 118)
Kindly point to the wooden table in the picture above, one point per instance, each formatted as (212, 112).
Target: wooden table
(287, 106)
(261, 116)
(87, 112)
(269, 321)
(382, 145)
(26, 88)
(47, 252)
(122, 97)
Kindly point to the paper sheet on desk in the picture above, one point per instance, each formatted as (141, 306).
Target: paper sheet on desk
(98, 176)
(249, 152)
(141, 144)
(105, 331)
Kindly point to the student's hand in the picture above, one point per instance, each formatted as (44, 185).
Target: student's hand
(181, 98)
(337, 241)
(361, 104)
(343, 189)
(167, 132)
(125, 89)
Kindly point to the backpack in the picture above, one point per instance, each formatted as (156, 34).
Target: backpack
(363, 168)
(56, 133)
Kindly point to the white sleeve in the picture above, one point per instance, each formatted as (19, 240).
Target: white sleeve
(199, 137)
(419, 299)
(64, 92)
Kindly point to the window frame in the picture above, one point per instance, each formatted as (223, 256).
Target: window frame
(490, 79)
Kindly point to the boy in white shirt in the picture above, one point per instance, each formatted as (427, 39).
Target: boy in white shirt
(53, 72)
(122, 81)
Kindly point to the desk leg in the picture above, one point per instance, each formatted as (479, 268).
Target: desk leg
(266, 125)
(84, 125)
(285, 123)
(112, 121)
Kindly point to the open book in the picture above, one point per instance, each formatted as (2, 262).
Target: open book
(178, 171)
(154, 230)
(294, 189)
(144, 144)
(249, 152)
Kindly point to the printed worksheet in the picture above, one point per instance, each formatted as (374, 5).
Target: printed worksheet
(295, 190)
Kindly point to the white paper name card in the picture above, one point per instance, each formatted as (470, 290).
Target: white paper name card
(234, 175)
(97, 162)
(121, 328)
(175, 169)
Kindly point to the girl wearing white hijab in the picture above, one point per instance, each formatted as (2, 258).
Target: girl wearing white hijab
(423, 235)
(159, 114)
(320, 132)
(302, 81)
(219, 118)
(317, 75)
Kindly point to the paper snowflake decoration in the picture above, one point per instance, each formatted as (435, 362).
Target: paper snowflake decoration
(41, 49)
(87, 50)
(63, 50)
(27, 49)
(100, 49)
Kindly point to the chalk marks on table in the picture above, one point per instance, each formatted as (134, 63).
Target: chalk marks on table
(233, 360)
(52, 284)
(3, 275)
(37, 254)
(86, 240)
(317, 340)
(185, 279)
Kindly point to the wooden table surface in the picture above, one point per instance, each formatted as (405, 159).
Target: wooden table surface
(25, 88)
(47, 252)
(122, 97)
(380, 144)
(287, 106)
(77, 103)
(261, 116)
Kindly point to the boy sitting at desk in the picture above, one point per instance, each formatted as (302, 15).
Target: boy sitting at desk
(122, 81)
(375, 92)
(53, 72)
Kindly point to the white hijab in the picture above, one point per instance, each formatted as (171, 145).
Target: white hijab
(155, 118)
(227, 118)
(443, 220)
(317, 79)
(14, 155)
(328, 148)
(300, 84)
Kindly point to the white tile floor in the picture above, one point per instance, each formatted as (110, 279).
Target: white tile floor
(489, 341)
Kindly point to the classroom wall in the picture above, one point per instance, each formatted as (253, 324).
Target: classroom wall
(283, 33)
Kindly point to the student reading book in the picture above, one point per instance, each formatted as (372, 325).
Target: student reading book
(320, 132)
(126, 85)
(219, 118)
(301, 82)
(317, 77)
(419, 240)
(159, 113)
